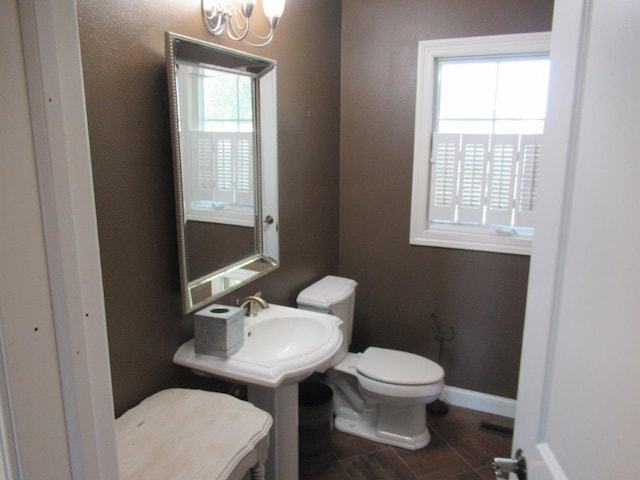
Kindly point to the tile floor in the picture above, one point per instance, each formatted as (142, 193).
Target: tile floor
(459, 450)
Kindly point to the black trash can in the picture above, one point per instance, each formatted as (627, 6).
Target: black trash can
(315, 403)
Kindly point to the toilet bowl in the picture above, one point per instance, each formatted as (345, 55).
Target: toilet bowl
(379, 394)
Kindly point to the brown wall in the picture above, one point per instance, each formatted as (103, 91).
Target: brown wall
(482, 295)
(213, 246)
(126, 89)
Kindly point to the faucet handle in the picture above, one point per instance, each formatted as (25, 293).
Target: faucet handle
(238, 301)
(251, 302)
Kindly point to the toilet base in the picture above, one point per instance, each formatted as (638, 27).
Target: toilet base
(403, 425)
(367, 430)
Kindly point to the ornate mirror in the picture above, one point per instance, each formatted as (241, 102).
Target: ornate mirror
(223, 120)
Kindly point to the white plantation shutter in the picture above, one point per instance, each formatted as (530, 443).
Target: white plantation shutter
(503, 161)
(202, 178)
(473, 174)
(484, 179)
(224, 160)
(224, 169)
(445, 163)
(244, 168)
(527, 182)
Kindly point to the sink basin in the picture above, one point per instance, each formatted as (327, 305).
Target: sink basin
(281, 345)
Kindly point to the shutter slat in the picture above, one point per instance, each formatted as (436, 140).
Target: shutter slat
(202, 173)
(503, 160)
(444, 177)
(224, 156)
(473, 172)
(527, 182)
(244, 169)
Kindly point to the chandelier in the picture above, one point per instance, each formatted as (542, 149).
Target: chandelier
(233, 17)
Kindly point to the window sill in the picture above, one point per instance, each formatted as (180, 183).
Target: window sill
(227, 215)
(483, 239)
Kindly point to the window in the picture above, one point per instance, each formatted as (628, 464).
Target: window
(227, 99)
(480, 109)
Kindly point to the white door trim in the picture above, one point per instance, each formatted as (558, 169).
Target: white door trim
(551, 462)
(556, 188)
(568, 265)
(56, 96)
(9, 459)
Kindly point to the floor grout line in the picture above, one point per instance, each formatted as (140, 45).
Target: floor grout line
(413, 474)
(457, 452)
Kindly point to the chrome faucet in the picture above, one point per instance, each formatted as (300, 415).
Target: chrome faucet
(250, 304)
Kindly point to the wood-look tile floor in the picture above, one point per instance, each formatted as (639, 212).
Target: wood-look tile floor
(459, 450)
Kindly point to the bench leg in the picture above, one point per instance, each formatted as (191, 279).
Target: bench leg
(257, 472)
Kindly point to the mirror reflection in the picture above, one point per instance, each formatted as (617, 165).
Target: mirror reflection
(224, 135)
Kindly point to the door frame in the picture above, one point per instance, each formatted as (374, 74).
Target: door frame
(569, 43)
(51, 46)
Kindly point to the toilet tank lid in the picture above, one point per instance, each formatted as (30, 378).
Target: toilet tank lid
(326, 292)
(398, 368)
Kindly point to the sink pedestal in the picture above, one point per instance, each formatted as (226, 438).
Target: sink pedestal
(281, 347)
(282, 403)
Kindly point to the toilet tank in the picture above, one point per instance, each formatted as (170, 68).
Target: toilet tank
(334, 295)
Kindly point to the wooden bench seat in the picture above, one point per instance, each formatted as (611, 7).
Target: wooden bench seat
(181, 434)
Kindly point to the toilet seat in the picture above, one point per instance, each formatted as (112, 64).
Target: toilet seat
(381, 372)
(398, 368)
(382, 390)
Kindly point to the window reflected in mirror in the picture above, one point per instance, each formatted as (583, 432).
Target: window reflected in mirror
(217, 121)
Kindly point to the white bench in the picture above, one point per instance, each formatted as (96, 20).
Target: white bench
(180, 434)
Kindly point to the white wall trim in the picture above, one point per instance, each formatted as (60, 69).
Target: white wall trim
(51, 45)
(483, 402)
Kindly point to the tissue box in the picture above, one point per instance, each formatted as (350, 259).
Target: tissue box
(219, 330)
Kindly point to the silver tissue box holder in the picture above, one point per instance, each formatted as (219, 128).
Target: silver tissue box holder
(219, 330)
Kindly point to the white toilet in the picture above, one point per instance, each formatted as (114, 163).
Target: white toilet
(379, 394)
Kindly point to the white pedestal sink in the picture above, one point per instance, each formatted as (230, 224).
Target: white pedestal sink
(282, 346)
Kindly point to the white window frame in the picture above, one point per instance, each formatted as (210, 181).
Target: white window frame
(467, 237)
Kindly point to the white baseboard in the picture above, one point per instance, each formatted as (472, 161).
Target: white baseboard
(483, 402)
